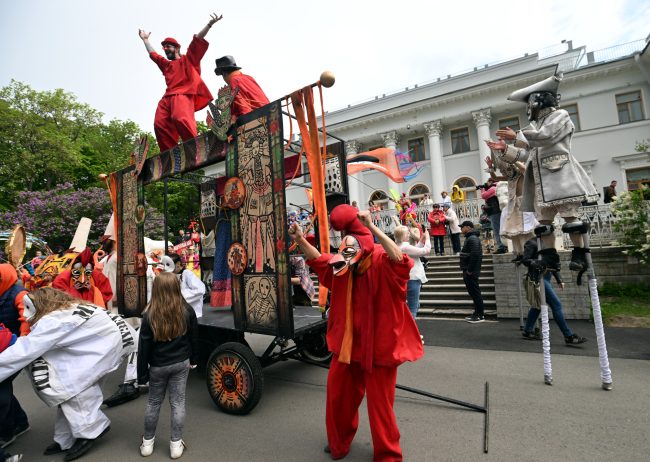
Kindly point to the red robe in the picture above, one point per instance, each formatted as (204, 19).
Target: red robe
(100, 292)
(249, 96)
(186, 93)
(384, 336)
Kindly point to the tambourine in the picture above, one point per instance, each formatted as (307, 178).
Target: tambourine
(16, 246)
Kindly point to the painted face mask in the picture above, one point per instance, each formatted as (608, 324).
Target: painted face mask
(30, 310)
(81, 276)
(349, 255)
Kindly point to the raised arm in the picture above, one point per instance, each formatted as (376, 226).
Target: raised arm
(296, 233)
(391, 248)
(213, 18)
(145, 39)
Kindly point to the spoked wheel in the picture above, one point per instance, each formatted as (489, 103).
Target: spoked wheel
(313, 346)
(235, 379)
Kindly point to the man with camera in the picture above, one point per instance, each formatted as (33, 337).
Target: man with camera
(493, 210)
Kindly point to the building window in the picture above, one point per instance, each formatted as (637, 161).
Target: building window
(459, 140)
(468, 185)
(416, 149)
(512, 122)
(629, 107)
(379, 198)
(638, 178)
(418, 191)
(572, 109)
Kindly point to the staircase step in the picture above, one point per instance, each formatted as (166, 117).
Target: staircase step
(429, 286)
(455, 302)
(452, 312)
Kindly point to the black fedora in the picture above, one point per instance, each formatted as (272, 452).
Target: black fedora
(225, 65)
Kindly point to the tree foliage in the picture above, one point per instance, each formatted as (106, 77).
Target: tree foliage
(54, 215)
(48, 138)
(632, 209)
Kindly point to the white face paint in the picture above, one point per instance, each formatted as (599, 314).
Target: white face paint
(30, 310)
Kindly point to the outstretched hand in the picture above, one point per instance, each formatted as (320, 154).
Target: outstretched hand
(506, 134)
(214, 18)
(496, 145)
(143, 35)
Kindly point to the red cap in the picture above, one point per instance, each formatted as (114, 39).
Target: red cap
(170, 41)
(344, 218)
(85, 257)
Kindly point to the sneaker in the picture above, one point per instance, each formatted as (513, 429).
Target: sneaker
(176, 448)
(474, 319)
(146, 448)
(531, 335)
(502, 250)
(14, 458)
(574, 340)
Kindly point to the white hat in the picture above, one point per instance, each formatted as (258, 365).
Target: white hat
(110, 229)
(550, 85)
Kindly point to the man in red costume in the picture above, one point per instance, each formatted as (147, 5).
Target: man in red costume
(84, 281)
(370, 330)
(186, 92)
(248, 94)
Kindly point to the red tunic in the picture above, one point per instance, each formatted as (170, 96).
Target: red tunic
(381, 319)
(249, 97)
(100, 287)
(183, 75)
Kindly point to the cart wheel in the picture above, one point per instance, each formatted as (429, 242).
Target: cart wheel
(313, 346)
(235, 379)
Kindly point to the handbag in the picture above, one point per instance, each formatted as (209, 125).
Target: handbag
(533, 295)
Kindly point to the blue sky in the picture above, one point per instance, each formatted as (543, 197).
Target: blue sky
(92, 48)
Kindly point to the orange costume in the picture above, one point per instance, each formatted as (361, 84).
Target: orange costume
(383, 332)
(84, 281)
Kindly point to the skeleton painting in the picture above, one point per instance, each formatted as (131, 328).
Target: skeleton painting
(261, 301)
(257, 212)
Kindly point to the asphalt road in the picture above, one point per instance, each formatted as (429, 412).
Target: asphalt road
(573, 420)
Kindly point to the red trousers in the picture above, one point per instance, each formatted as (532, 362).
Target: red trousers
(346, 386)
(174, 119)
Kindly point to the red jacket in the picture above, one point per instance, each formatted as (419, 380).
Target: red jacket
(249, 94)
(183, 75)
(384, 332)
(437, 229)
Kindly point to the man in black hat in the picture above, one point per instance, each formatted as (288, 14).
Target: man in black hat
(471, 256)
(248, 94)
(186, 92)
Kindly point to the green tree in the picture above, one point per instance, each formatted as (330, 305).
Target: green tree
(632, 209)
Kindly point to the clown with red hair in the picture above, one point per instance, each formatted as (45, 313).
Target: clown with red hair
(84, 281)
(370, 329)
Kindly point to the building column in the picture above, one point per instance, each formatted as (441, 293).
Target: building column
(354, 186)
(390, 141)
(434, 132)
(482, 119)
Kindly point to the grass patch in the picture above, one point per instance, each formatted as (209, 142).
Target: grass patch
(625, 305)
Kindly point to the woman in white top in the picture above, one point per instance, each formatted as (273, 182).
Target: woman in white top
(415, 246)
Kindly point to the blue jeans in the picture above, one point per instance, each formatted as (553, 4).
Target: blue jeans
(174, 378)
(413, 296)
(554, 303)
(496, 228)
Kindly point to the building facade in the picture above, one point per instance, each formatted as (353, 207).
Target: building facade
(443, 124)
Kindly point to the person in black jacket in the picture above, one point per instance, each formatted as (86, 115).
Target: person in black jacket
(471, 256)
(168, 349)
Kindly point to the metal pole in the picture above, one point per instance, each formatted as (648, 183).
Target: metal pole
(605, 372)
(546, 344)
(166, 233)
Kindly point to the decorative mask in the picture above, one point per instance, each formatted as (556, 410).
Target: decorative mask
(30, 310)
(81, 276)
(349, 254)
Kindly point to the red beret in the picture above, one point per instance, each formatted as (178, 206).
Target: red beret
(170, 41)
(344, 218)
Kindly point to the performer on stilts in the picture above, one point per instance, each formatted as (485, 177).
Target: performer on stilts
(186, 92)
(370, 330)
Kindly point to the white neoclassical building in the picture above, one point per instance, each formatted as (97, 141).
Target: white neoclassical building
(443, 123)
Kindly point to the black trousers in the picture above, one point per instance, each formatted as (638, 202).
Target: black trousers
(11, 413)
(471, 283)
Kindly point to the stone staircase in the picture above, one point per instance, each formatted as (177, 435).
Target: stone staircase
(444, 295)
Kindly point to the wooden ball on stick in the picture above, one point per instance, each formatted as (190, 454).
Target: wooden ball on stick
(327, 79)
